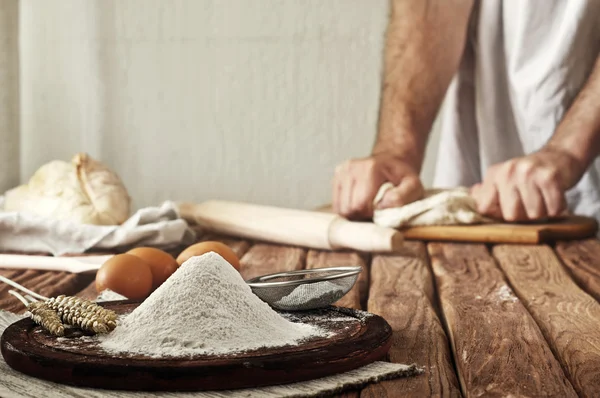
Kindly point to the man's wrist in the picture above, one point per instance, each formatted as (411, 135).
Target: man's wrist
(581, 155)
(578, 134)
(403, 154)
(573, 163)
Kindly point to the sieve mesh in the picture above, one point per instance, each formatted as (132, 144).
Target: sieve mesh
(306, 289)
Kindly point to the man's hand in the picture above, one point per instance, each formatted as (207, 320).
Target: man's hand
(357, 181)
(528, 188)
(424, 44)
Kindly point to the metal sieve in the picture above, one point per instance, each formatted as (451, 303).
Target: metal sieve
(305, 289)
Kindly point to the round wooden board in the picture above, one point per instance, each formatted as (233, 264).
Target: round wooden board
(358, 338)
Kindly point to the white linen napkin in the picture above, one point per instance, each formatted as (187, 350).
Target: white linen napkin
(160, 227)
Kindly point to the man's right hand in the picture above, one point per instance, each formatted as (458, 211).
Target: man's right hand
(357, 181)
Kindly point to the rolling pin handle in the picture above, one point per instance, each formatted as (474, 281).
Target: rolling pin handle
(363, 236)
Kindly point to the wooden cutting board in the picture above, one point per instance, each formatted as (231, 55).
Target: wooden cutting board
(358, 339)
(568, 228)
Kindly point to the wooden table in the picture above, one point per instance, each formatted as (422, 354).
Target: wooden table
(507, 320)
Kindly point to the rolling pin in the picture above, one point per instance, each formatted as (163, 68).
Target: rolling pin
(316, 230)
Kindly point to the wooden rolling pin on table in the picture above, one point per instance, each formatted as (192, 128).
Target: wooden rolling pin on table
(323, 229)
(316, 230)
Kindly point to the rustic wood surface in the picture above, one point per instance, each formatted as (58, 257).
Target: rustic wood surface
(45, 283)
(478, 325)
(262, 259)
(582, 259)
(567, 316)
(357, 296)
(492, 334)
(569, 228)
(402, 292)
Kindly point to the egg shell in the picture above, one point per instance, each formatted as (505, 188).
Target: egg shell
(125, 274)
(220, 248)
(162, 264)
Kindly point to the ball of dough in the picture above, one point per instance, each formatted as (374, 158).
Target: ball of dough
(83, 191)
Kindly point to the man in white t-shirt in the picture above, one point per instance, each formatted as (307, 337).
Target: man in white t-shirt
(521, 121)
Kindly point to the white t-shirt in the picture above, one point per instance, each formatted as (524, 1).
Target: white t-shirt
(524, 64)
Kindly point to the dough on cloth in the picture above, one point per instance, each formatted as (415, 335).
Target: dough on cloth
(83, 190)
(438, 207)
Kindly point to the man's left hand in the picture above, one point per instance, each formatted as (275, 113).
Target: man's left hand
(531, 187)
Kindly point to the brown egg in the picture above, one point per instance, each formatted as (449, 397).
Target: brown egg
(162, 264)
(210, 246)
(125, 274)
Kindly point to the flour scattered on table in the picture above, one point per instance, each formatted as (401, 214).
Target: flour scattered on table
(205, 307)
(506, 294)
(109, 295)
(311, 295)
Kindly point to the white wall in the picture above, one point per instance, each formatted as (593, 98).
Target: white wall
(9, 104)
(197, 99)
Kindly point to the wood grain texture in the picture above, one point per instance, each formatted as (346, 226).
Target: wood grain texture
(569, 228)
(498, 348)
(572, 227)
(43, 282)
(582, 258)
(567, 316)
(264, 259)
(89, 292)
(402, 292)
(357, 296)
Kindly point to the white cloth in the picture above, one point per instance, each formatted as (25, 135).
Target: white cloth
(152, 226)
(438, 207)
(524, 63)
(17, 385)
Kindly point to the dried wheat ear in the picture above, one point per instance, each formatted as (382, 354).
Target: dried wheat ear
(55, 312)
(83, 313)
(46, 317)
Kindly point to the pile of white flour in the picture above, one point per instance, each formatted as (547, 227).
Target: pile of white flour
(205, 307)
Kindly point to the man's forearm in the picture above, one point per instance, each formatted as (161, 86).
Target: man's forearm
(578, 134)
(424, 44)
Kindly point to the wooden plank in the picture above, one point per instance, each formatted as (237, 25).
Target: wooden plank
(89, 292)
(402, 292)
(567, 316)
(43, 282)
(568, 228)
(582, 258)
(264, 259)
(357, 296)
(498, 348)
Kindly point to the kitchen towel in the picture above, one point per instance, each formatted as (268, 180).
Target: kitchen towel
(160, 227)
(438, 207)
(17, 385)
